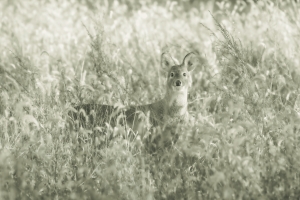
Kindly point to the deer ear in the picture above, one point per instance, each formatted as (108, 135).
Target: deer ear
(167, 61)
(190, 61)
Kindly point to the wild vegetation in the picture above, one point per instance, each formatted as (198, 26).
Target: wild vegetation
(58, 54)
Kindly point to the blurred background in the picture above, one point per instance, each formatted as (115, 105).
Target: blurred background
(56, 37)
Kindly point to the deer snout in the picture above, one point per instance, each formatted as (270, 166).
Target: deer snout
(178, 83)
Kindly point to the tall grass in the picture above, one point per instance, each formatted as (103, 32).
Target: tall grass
(244, 144)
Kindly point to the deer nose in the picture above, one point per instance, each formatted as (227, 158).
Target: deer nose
(178, 83)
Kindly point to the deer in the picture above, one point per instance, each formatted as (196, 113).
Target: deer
(170, 110)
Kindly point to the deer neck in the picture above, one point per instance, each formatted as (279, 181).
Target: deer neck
(176, 103)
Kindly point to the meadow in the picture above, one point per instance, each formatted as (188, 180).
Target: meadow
(57, 54)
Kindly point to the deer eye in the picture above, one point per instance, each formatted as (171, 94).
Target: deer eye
(172, 74)
(184, 74)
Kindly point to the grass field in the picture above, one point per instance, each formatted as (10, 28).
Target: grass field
(57, 54)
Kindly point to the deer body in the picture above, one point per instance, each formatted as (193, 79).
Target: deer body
(169, 110)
